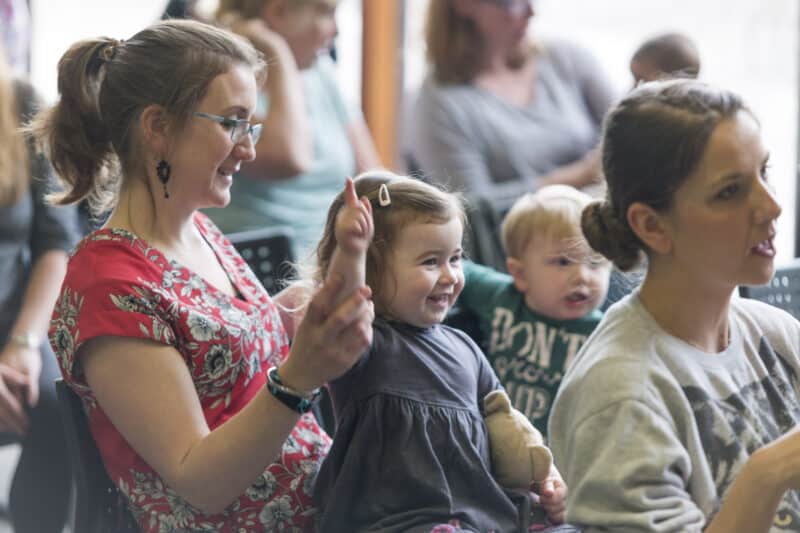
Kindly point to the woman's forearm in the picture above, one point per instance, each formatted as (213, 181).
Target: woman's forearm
(285, 148)
(752, 500)
(160, 415)
(44, 284)
(578, 174)
(221, 466)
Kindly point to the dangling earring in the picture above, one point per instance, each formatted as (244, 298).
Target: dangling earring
(163, 171)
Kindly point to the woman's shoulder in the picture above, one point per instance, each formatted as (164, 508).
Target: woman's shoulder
(759, 319)
(321, 79)
(433, 93)
(561, 49)
(620, 356)
(566, 56)
(24, 89)
(106, 256)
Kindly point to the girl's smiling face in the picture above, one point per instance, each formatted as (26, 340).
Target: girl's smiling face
(425, 275)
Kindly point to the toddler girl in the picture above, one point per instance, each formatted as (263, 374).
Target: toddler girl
(411, 452)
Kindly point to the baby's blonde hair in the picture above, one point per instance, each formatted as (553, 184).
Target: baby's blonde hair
(552, 212)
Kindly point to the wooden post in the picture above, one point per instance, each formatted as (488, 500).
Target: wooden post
(382, 73)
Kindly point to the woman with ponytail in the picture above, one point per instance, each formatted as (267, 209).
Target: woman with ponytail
(34, 241)
(680, 411)
(199, 406)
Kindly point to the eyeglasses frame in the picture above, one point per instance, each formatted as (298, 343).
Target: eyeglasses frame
(253, 130)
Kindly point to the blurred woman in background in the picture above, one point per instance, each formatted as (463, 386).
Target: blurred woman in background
(34, 241)
(501, 115)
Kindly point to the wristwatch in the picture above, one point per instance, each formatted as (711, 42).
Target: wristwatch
(294, 400)
(26, 339)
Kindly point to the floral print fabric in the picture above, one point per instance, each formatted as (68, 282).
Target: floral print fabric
(118, 285)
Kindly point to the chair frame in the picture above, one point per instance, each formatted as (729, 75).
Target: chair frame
(98, 505)
(277, 238)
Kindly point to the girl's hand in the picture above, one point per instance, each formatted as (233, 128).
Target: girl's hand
(354, 228)
(552, 494)
(329, 340)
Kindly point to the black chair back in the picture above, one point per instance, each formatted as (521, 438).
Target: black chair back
(482, 240)
(268, 252)
(99, 507)
(783, 290)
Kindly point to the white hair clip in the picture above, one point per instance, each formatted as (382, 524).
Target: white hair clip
(383, 196)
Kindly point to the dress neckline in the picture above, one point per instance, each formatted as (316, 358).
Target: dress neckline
(154, 254)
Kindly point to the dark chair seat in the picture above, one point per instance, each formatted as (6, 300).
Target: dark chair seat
(99, 507)
(268, 252)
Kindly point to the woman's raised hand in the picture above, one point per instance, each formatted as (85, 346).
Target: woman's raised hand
(330, 339)
(268, 42)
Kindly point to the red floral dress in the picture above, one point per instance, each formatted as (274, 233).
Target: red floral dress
(118, 285)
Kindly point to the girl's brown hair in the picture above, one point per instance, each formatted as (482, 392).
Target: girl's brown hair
(652, 141)
(412, 201)
(91, 136)
(14, 170)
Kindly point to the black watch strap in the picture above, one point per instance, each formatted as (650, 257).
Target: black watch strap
(292, 399)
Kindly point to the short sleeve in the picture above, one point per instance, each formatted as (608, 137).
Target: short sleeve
(95, 302)
(327, 85)
(486, 378)
(595, 86)
(54, 227)
(481, 285)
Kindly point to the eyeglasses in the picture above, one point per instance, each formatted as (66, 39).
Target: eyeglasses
(238, 127)
(515, 7)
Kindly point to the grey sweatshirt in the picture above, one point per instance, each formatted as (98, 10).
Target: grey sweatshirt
(650, 432)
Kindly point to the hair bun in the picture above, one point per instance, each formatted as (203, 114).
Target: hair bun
(607, 234)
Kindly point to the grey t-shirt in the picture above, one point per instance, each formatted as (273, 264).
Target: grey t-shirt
(650, 432)
(30, 226)
(470, 140)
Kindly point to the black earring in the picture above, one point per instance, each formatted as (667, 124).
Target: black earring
(163, 171)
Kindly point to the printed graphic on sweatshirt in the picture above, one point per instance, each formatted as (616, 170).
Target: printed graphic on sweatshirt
(733, 428)
(530, 358)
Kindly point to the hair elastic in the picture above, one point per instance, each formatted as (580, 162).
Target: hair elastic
(383, 196)
(110, 50)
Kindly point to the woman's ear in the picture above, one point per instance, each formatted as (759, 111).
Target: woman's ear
(649, 225)
(155, 128)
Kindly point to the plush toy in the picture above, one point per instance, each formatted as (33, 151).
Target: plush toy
(519, 456)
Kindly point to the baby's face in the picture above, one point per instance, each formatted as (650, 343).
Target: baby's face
(562, 278)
